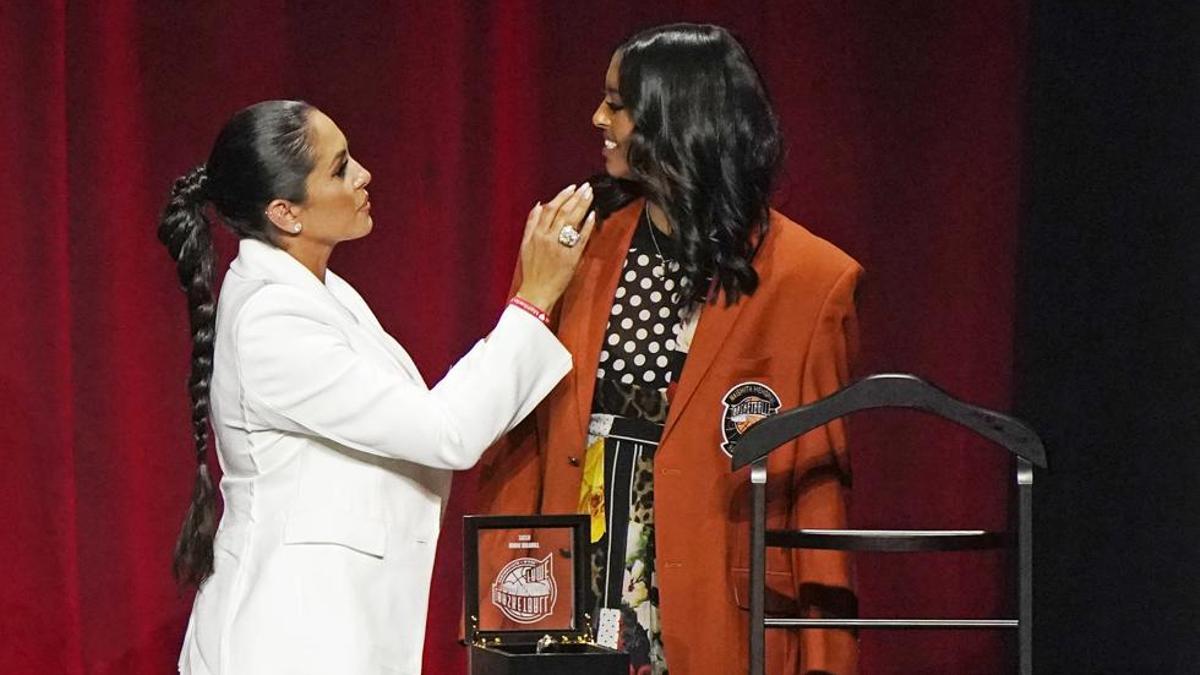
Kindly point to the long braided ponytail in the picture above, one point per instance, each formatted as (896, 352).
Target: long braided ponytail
(187, 234)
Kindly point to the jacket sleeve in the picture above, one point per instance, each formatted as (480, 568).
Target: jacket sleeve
(510, 473)
(301, 374)
(819, 491)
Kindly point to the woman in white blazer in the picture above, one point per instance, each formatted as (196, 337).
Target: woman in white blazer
(337, 457)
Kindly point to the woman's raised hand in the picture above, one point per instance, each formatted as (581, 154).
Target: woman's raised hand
(555, 235)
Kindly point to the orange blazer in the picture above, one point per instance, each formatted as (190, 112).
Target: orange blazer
(794, 337)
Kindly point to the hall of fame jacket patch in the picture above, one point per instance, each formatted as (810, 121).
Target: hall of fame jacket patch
(745, 404)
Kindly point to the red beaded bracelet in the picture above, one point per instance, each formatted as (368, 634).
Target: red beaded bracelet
(524, 304)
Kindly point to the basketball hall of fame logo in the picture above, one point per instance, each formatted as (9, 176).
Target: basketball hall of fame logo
(525, 591)
(745, 404)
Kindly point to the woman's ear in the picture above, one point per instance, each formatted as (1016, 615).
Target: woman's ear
(284, 217)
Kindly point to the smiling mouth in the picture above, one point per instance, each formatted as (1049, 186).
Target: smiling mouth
(610, 145)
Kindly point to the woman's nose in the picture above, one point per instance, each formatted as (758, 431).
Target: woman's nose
(599, 119)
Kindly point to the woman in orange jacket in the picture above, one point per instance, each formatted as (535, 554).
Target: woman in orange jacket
(696, 311)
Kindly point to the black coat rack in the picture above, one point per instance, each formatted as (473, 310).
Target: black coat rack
(889, 390)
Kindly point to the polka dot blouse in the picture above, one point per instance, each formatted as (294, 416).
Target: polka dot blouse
(640, 344)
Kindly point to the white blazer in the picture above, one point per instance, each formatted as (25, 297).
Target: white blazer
(337, 462)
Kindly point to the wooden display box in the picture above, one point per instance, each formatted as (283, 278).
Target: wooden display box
(526, 598)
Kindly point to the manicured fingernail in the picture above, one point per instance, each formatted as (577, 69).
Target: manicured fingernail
(568, 190)
(591, 218)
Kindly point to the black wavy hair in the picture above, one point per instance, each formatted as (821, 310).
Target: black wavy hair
(705, 147)
(263, 153)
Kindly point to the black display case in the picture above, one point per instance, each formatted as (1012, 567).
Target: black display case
(527, 598)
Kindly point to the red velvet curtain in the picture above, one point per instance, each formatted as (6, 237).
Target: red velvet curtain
(903, 122)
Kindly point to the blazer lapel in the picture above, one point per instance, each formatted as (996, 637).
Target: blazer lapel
(587, 302)
(257, 260)
(349, 298)
(716, 321)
